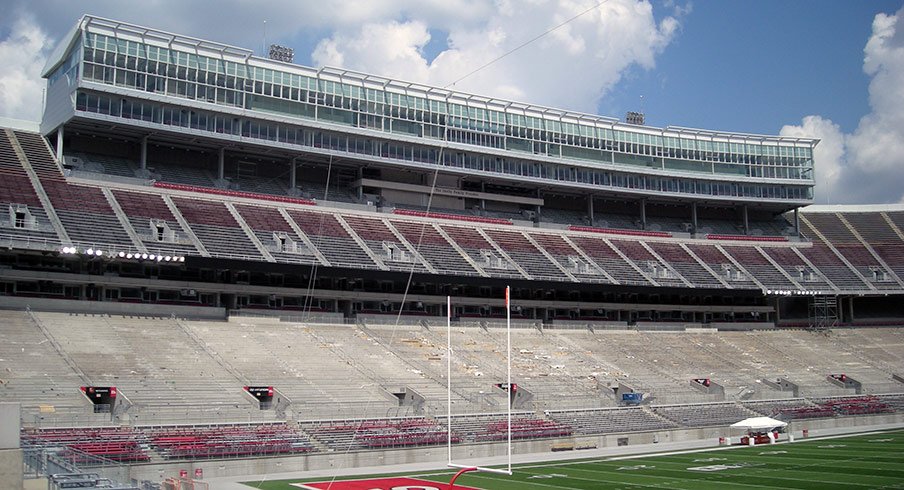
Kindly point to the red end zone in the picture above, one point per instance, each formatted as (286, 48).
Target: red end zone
(380, 484)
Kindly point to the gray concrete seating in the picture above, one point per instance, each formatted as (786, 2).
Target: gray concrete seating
(610, 420)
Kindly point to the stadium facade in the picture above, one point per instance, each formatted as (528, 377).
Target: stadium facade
(181, 178)
(259, 184)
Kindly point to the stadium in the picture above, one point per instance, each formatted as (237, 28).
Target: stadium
(219, 265)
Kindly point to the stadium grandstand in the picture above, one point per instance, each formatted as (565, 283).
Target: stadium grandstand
(211, 255)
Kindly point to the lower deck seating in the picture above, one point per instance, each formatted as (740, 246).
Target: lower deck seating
(224, 441)
(786, 409)
(494, 427)
(81, 445)
(344, 435)
(858, 405)
(610, 420)
(707, 415)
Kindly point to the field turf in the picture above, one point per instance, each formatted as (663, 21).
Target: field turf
(865, 461)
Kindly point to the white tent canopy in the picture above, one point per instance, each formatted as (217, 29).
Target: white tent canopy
(758, 423)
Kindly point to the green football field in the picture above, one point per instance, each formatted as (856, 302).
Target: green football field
(873, 460)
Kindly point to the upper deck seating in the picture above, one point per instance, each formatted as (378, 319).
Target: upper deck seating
(481, 251)
(747, 238)
(39, 156)
(685, 264)
(829, 264)
(617, 231)
(845, 242)
(608, 259)
(526, 255)
(759, 266)
(192, 175)
(451, 216)
(384, 243)
(84, 211)
(16, 191)
(106, 164)
(794, 265)
(721, 264)
(647, 262)
(145, 213)
(86, 215)
(433, 247)
(234, 193)
(328, 235)
(881, 237)
(212, 223)
(275, 233)
(568, 257)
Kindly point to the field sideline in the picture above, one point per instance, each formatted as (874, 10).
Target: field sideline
(874, 460)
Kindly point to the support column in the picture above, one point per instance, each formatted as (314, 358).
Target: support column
(483, 203)
(746, 223)
(59, 145)
(221, 164)
(797, 222)
(292, 172)
(360, 174)
(851, 309)
(590, 209)
(643, 214)
(537, 209)
(694, 218)
(143, 158)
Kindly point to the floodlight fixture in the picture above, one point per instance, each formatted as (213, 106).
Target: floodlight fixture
(281, 53)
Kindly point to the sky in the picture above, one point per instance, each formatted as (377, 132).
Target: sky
(827, 69)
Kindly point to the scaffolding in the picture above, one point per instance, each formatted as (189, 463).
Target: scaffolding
(823, 312)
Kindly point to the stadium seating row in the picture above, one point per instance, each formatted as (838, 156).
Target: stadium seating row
(142, 444)
(853, 253)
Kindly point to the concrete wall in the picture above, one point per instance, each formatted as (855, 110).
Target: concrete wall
(112, 308)
(10, 454)
(11, 469)
(9, 426)
(437, 454)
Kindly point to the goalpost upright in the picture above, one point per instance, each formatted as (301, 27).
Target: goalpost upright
(508, 390)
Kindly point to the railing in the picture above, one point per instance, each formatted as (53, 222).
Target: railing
(618, 231)
(40, 462)
(241, 194)
(747, 238)
(455, 217)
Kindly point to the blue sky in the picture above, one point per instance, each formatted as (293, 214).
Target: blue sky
(754, 66)
(768, 66)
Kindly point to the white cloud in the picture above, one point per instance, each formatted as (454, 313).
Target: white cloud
(22, 56)
(878, 143)
(241, 22)
(571, 67)
(829, 154)
(392, 47)
(867, 166)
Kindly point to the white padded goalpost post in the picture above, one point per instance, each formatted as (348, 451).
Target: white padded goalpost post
(508, 332)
